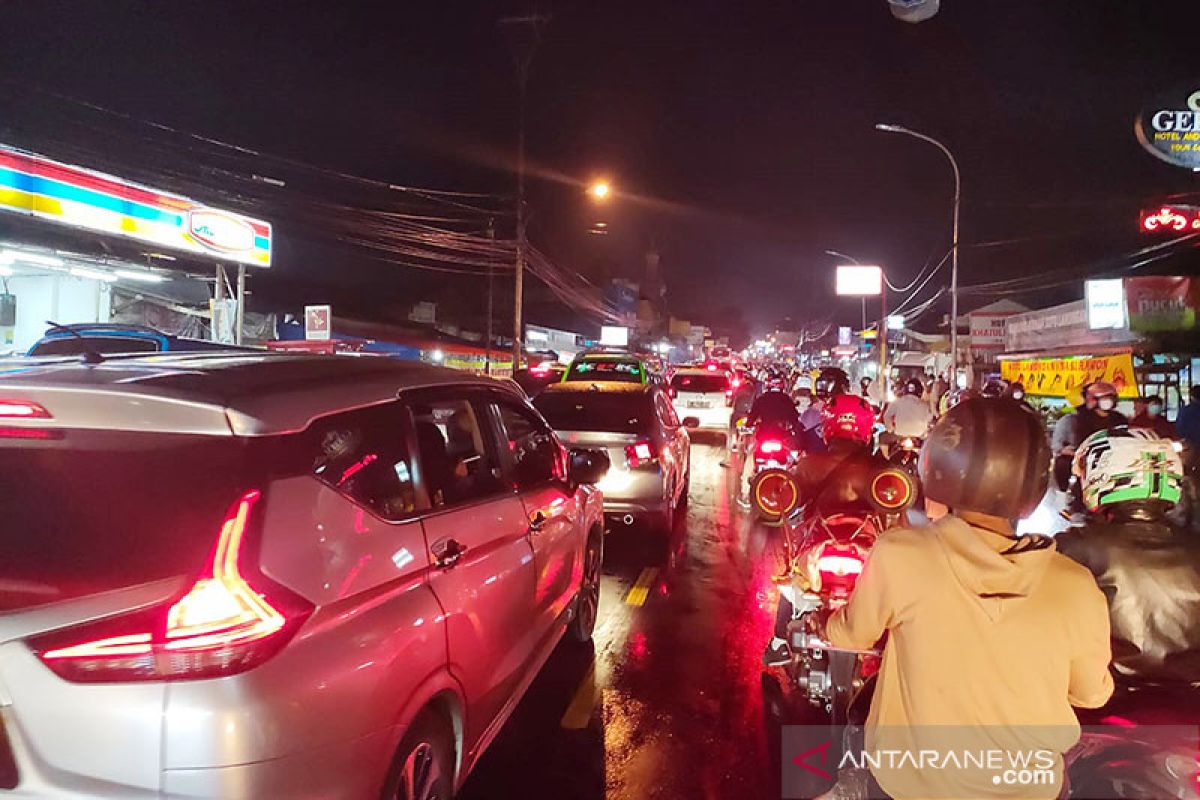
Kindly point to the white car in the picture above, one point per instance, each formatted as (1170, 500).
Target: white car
(705, 394)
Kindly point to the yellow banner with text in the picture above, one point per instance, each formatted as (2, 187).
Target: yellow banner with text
(1057, 377)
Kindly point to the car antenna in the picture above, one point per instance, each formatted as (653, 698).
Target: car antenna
(89, 356)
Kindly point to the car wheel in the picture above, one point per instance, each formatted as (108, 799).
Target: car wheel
(587, 601)
(424, 765)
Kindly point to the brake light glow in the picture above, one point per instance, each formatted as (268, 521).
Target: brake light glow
(771, 446)
(711, 367)
(23, 409)
(640, 454)
(221, 626)
(840, 565)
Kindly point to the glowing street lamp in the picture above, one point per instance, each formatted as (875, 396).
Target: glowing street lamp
(600, 190)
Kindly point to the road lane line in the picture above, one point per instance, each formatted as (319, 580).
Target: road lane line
(641, 590)
(579, 713)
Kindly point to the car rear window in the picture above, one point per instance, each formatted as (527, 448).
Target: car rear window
(610, 412)
(100, 510)
(74, 345)
(700, 383)
(623, 371)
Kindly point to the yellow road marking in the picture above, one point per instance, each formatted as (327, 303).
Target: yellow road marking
(641, 590)
(579, 713)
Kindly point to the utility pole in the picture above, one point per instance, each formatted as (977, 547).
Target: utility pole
(487, 364)
(524, 33)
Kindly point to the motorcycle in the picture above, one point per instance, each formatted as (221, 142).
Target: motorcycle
(825, 555)
(774, 493)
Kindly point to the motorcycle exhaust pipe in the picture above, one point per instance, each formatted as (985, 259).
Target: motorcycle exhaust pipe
(627, 519)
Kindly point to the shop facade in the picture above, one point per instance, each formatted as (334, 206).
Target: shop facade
(81, 246)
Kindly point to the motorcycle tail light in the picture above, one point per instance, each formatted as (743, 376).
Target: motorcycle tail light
(221, 626)
(771, 446)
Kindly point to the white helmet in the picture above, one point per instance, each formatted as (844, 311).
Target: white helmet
(1128, 464)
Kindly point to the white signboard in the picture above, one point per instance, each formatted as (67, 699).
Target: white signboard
(895, 322)
(987, 330)
(844, 334)
(1105, 303)
(318, 323)
(614, 336)
(859, 281)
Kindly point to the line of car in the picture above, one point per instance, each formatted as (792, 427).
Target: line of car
(278, 575)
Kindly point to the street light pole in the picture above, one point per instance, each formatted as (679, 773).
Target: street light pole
(954, 236)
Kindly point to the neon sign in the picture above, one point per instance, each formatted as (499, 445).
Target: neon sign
(1171, 219)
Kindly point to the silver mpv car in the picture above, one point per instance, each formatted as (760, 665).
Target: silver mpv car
(275, 576)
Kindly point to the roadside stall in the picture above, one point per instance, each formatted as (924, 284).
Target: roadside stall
(1053, 353)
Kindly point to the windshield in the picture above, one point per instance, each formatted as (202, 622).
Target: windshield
(622, 371)
(596, 411)
(700, 383)
(101, 510)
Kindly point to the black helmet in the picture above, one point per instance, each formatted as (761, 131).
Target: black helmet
(832, 381)
(989, 456)
(993, 389)
(914, 387)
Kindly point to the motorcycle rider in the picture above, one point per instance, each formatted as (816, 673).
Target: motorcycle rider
(839, 478)
(742, 401)
(1151, 417)
(1147, 567)
(958, 597)
(907, 417)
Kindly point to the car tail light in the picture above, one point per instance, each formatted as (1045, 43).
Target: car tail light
(892, 490)
(221, 626)
(23, 409)
(671, 392)
(639, 454)
(711, 367)
(736, 383)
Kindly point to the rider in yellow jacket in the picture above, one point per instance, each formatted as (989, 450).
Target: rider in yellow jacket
(991, 639)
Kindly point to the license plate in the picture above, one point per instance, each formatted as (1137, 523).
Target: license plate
(698, 404)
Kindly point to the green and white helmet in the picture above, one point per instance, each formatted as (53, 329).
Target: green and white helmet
(1123, 464)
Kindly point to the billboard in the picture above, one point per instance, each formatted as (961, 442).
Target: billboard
(78, 197)
(1057, 377)
(987, 331)
(614, 336)
(318, 323)
(855, 280)
(1162, 303)
(1169, 127)
(1105, 303)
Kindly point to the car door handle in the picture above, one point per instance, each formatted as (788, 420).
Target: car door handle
(448, 552)
(537, 521)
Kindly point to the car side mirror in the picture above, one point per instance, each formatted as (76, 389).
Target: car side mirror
(691, 423)
(588, 466)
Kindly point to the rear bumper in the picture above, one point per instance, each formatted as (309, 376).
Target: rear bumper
(715, 419)
(616, 508)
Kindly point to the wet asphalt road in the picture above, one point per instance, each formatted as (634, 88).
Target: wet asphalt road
(668, 702)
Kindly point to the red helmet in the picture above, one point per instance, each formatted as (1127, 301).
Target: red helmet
(847, 416)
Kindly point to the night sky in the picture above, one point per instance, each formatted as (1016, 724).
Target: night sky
(740, 135)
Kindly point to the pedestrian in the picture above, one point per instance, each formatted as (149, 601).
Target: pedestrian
(1188, 421)
(1151, 417)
